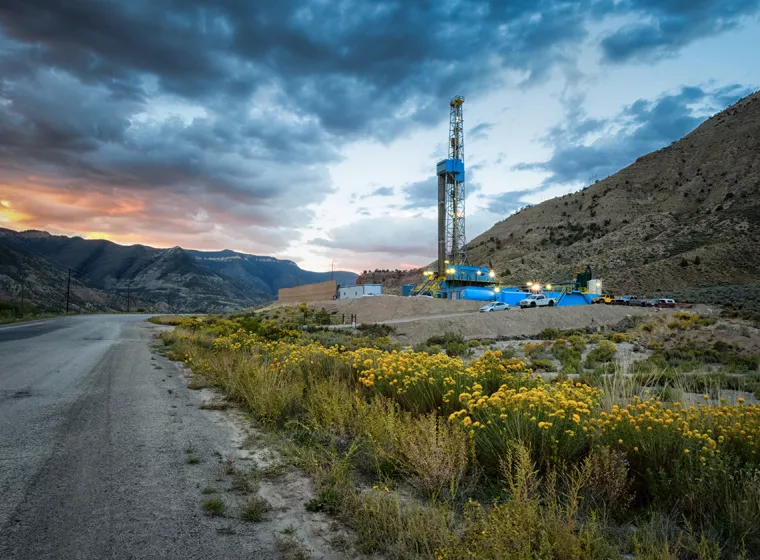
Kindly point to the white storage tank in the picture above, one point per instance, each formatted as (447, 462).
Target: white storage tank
(361, 290)
(595, 286)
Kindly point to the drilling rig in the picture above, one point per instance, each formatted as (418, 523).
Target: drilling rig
(454, 277)
(452, 248)
(454, 273)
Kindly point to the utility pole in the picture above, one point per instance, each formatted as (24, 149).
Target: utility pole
(332, 269)
(129, 286)
(68, 291)
(22, 298)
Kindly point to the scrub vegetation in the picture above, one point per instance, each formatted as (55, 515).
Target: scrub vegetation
(429, 455)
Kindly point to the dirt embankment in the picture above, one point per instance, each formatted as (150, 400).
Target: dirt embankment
(516, 322)
(378, 309)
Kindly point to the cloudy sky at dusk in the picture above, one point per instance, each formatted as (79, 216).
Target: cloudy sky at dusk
(310, 129)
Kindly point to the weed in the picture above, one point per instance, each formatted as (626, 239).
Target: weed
(192, 460)
(208, 490)
(241, 483)
(213, 507)
(254, 510)
(327, 500)
(291, 548)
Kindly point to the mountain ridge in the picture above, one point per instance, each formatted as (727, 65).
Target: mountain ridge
(173, 279)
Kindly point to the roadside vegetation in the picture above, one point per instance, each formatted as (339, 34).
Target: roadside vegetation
(438, 453)
(12, 312)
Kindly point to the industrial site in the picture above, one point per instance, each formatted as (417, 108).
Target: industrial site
(452, 291)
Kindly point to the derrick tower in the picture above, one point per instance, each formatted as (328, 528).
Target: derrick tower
(451, 194)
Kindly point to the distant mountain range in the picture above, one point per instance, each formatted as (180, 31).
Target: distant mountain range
(105, 274)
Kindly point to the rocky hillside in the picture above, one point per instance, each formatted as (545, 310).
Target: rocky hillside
(173, 279)
(25, 274)
(685, 216)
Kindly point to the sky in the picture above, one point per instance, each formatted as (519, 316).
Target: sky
(310, 129)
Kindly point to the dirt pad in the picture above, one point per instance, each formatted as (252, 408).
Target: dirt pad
(377, 309)
(516, 322)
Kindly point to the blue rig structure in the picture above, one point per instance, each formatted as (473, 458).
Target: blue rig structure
(454, 277)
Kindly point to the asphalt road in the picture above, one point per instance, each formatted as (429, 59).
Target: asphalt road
(93, 437)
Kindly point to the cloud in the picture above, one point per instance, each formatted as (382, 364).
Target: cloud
(641, 128)
(666, 26)
(380, 191)
(424, 194)
(506, 203)
(156, 113)
(480, 131)
(421, 194)
(390, 236)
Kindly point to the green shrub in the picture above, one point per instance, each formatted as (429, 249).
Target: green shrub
(604, 352)
(376, 329)
(428, 349)
(548, 334)
(534, 350)
(542, 365)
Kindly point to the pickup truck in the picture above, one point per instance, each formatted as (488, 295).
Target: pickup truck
(537, 300)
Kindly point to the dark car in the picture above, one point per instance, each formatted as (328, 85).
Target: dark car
(662, 303)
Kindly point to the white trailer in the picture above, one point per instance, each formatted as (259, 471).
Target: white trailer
(361, 290)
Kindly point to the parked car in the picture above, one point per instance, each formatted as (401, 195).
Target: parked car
(662, 303)
(538, 300)
(494, 306)
(623, 300)
(603, 299)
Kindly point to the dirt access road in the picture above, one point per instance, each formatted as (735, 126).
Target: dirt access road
(93, 439)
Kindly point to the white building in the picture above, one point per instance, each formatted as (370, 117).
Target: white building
(352, 292)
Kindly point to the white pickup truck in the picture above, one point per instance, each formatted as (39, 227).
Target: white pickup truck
(538, 300)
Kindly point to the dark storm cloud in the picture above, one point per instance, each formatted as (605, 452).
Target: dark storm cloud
(240, 106)
(643, 127)
(672, 24)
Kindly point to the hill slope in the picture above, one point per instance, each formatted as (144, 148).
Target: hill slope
(44, 285)
(173, 279)
(687, 215)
